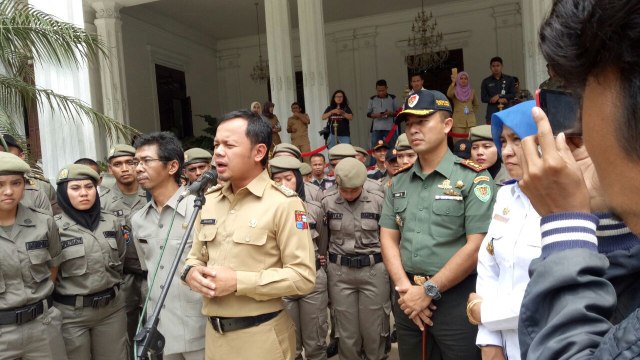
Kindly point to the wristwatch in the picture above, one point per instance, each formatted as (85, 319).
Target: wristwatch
(431, 289)
(185, 272)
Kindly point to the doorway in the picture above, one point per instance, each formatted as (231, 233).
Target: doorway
(174, 106)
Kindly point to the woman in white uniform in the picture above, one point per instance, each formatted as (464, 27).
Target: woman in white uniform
(512, 241)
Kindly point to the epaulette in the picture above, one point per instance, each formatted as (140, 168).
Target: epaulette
(38, 175)
(40, 211)
(285, 190)
(57, 217)
(211, 190)
(471, 165)
(403, 169)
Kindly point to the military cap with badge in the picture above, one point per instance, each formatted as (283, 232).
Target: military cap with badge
(12, 165)
(197, 155)
(423, 103)
(121, 150)
(76, 172)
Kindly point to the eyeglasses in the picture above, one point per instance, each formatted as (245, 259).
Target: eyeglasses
(145, 162)
(119, 164)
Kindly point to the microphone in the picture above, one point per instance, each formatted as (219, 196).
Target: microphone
(199, 186)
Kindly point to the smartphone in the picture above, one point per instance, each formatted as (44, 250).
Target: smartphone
(562, 109)
(454, 72)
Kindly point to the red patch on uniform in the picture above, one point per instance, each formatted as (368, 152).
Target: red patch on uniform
(301, 220)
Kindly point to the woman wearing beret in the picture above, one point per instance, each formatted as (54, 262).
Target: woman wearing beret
(88, 288)
(30, 328)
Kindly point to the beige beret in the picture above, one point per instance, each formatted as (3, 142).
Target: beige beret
(77, 172)
(341, 151)
(403, 143)
(350, 173)
(11, 164)
(305, 169)
(480, 133)
(196, 155)
(361, 151)
(121, 150)
(283, 163)
(288, 149)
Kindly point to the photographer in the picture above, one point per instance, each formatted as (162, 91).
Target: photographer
(582, 300)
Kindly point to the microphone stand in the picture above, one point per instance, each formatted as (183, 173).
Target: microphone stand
(149, 341)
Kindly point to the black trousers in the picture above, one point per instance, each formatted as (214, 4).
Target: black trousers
(451, 337)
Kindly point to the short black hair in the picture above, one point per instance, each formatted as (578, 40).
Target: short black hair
(87, 162)
(169, 148)
(381, 82)
(297, 103)
(416, 74)
(583, 38)
(319, 155)
(494, 59)
(258, 131)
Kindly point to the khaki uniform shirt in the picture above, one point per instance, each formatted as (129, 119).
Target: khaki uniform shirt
(114, 201)
(298, 129)
(369, 184)
(315, 217)
(435, 212)
(48, 190)
(261, 232)
(181, 321)
(91, 261)
(35, 198)
(353, 226)
(313, 192)
(26, 255)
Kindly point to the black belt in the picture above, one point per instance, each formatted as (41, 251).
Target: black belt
(95, 300)
(23, 314)
(355, 261)
(127, 271)
(226, 324)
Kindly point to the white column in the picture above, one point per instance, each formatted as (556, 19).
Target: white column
(283, 91)
(229, 80)
(63, 140)
(533, 13)
(112, 74)
(508, 38)
(366, 76)
(313, 52)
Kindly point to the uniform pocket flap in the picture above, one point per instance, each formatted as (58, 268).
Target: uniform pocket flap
(448, 207)
(112, 243)
(250, 238)
(39, 256)
(207, 233)
(72, 252)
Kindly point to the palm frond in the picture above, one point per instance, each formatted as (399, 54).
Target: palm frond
(13, 91)
(26, 30)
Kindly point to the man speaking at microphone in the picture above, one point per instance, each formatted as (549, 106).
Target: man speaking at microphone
(252, 246)
(158, 162)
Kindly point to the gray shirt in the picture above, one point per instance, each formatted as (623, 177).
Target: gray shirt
(380, 105)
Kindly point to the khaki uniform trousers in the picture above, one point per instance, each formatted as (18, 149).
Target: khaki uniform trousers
(304, 148)
(272, 340)
(95, 333)
(39, 339)
(309, 314)
(360, 299)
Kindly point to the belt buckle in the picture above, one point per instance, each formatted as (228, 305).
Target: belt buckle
(355, 262)
(217, 326)
(100, 301)
(21, 316)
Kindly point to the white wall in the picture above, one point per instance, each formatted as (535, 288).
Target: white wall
(146, 45)
(362, 50)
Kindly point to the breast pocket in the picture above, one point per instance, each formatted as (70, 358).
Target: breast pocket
(39, 268)
(250, 247)
(73, 261)
(369, 231)
(400, 209)
(335, 226)
(448, 219)
(114, 256)
(3, 287)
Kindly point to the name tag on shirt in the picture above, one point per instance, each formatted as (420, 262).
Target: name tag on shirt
(449, 197)
(334, 216)
(208, 221)
(71, 242)
(109, 234)
(400, 194)
(38, 244)
(372, 216)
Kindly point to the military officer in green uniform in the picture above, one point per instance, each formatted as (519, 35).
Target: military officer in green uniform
(123, 199)
(197, 161)
(435, 215)
(94, 324)
(308, 312)
(314, 192)
(358, 280)
(30, 328)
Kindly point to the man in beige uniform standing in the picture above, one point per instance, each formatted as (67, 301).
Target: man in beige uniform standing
(252, 247)
(123, 200)
(158, 160)
(358, 280)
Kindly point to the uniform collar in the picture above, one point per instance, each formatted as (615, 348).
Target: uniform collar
(172, 203)
(445, 166)
(364, 197)
(22, 216)
(257, 186)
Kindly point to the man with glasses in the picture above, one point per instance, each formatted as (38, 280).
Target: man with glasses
(158, 165)
(123, 199)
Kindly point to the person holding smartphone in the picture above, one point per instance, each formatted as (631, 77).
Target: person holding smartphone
(338, 115)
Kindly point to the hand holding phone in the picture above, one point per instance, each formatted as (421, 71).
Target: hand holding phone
(562, 109)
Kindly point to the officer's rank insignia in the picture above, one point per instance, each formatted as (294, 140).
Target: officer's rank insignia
(480, 178)
(399, 221)
(450, 192)
(505, 211)
(483, 192)
(490, 247)
(459, 184)
(471, 165)
(64, 173)
(253, 223)
(446, 184)
(301, 220)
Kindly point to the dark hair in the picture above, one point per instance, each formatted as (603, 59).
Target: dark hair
(297, 103)
(266, 109)
(258, 131)
(416, 74)
(319, 155)
(583, 38)
(169, 148)
(381, 82)
(515, 79)
(494, 59)
(87, 162)
(345, 102)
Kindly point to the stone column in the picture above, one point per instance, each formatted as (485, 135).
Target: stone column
(313, 52)
(366, 66)
(283, 91)
(63, 140)
(229, 80)
(533, 13)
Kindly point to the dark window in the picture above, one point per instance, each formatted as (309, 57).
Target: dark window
(439, 78)
(174, 106)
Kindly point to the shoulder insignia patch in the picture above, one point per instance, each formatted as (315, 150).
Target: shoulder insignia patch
(481, 178)
(285, 190)
(302, 222)
(471, 165)
(483, 192)
(403, 169)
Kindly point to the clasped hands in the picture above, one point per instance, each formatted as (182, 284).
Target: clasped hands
(416, 305)
(212, 282)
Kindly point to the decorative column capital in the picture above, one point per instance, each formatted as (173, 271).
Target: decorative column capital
(107, 9)
(507, 15)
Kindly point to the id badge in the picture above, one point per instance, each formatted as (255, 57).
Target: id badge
(503, 92)
(466, 110)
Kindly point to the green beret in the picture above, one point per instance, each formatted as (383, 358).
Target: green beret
(361, 151)
(121, 150)
(283, 163)
(305, 169)
(342, 151)
(77, 172)
(197, 155)
(287, 149)
(11, 164)
(350, 173)
(480, 133)
(403, 143)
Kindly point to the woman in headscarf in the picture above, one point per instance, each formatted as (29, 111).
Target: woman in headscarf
(465, 103)
(267, 112)
(94, 324)
(485, 153)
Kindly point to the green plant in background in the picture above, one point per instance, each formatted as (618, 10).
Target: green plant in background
(29, 36)
(203, 141)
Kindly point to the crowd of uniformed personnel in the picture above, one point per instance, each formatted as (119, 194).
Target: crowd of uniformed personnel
(78, 262)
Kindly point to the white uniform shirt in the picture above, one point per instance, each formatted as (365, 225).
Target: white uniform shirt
(503, 277)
